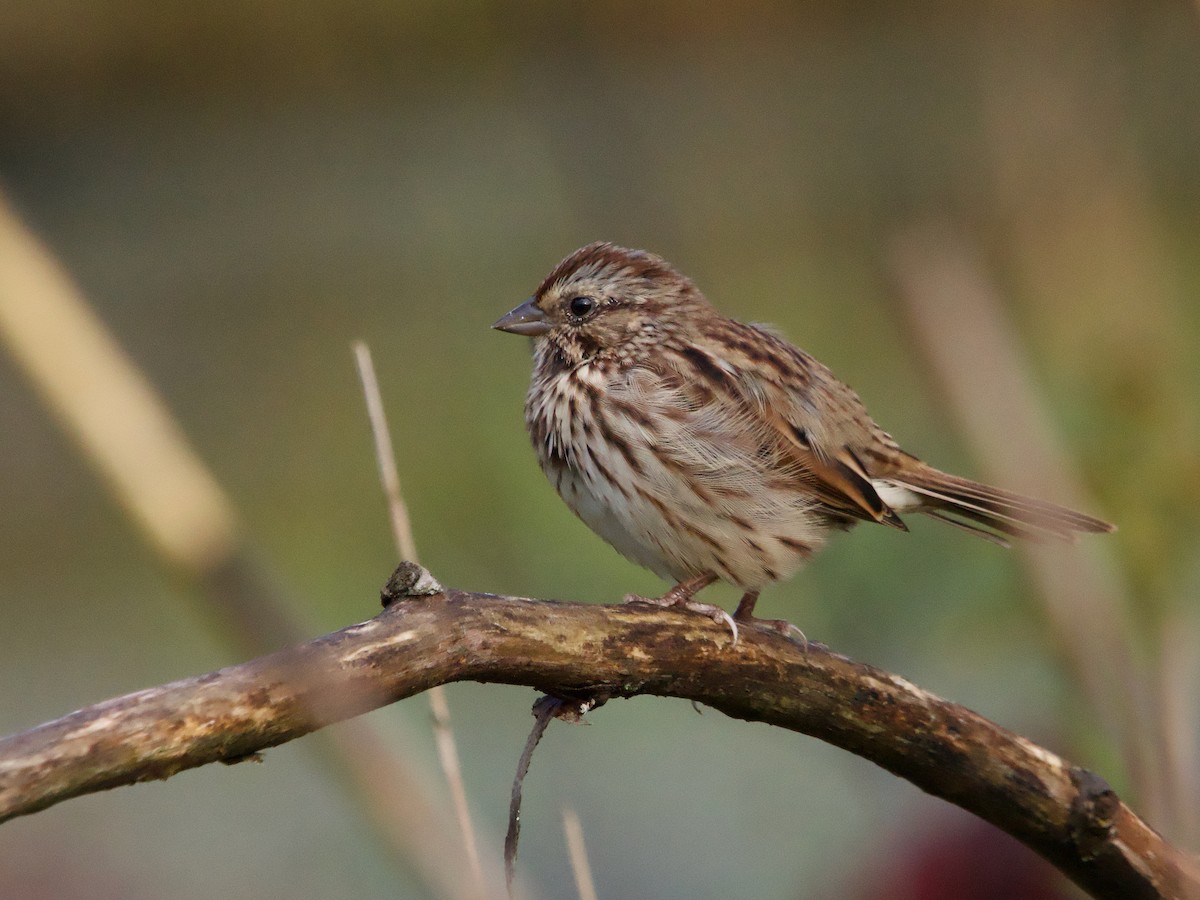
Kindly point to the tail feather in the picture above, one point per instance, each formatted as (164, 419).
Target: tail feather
(1006, 527)
(953, 499)
(970, 529)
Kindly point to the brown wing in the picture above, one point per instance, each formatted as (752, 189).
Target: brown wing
(821, 421)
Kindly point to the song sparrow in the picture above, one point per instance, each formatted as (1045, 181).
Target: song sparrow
(704, 449)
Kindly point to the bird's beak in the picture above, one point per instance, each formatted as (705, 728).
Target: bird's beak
(525, 319)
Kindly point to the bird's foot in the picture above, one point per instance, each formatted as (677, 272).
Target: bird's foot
(681, 596)
(782, 626)
(745, 614)
(715, 613)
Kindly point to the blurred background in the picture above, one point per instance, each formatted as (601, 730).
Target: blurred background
(242, 188)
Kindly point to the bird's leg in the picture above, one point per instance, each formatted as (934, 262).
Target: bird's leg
(681, 595)
(745, 609)
(745, 613)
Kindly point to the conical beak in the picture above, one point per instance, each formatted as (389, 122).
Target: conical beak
(525, 319)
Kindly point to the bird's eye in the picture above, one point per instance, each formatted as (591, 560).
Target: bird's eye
(582, 307)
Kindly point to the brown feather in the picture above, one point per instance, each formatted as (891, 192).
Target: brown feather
(787, 386)
(1001, 510)
(703, 448)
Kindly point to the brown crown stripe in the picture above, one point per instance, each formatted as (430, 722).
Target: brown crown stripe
(608, 259)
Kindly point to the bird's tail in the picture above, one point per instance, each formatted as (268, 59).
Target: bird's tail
(990, 512)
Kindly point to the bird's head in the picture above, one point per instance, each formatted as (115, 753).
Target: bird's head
(605, 299)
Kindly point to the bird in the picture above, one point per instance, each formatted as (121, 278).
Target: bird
(706, 449)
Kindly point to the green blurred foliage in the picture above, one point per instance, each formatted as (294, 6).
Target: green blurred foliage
(242, 189)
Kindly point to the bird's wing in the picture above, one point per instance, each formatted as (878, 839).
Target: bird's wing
(819, 420)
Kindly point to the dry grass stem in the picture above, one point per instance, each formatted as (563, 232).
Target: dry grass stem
(959, 327)
(107, 405)
(1178, 688)
(577, 853)
(443, 731)
(125, 430)
(385, 455)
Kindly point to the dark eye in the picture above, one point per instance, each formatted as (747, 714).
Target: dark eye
(582, 307)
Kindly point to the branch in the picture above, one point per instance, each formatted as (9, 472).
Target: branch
(573, 650)
(123, 428)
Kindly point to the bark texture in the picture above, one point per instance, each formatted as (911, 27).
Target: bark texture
(578, 651)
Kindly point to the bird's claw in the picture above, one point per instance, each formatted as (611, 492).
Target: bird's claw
(718, 615)
(780, 626)
(800, 635)
(715, 613)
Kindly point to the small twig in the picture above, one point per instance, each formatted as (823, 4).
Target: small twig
(585, 885)
(543, 711)
(443, 731)
(1064, 813)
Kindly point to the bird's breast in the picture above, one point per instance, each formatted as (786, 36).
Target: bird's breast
(679, 486)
